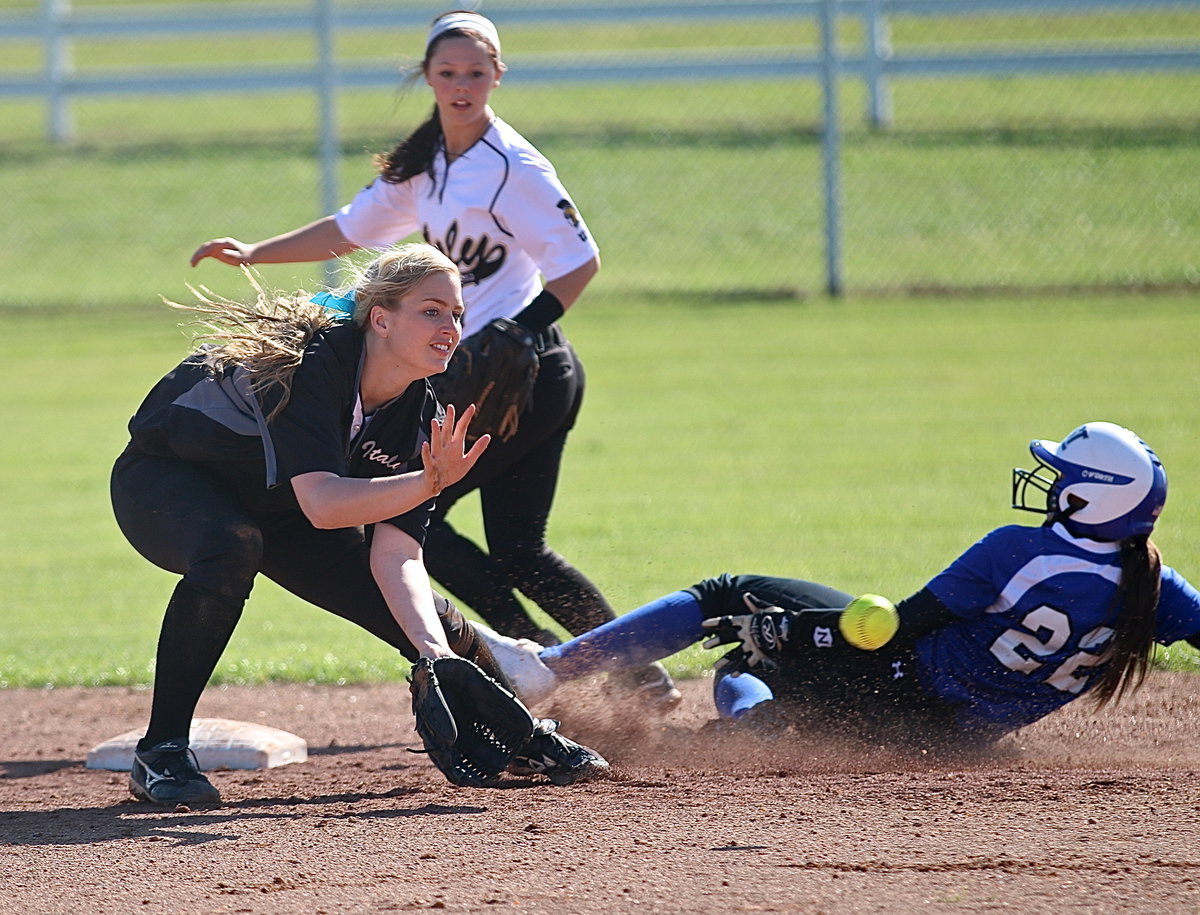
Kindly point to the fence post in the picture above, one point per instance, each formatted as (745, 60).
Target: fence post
(831, 147)
(327, 87)
(878, 48)
(57, 68)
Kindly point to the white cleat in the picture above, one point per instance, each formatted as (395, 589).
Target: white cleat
(520, 661)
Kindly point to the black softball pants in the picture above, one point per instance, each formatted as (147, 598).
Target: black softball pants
(186, 519)
(517, 480)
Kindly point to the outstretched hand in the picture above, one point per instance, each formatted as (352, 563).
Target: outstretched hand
(226, 250)
(446, 462)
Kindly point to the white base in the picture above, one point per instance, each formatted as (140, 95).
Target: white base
(218, 743)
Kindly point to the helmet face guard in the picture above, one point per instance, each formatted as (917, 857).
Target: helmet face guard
(1101, 482)
(1041, 480)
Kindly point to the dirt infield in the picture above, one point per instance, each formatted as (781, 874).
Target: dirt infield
(1076, 814)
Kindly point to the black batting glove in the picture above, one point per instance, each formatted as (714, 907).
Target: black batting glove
(758, 636)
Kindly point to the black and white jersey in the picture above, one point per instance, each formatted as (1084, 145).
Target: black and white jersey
(498, 211)
(215, 421)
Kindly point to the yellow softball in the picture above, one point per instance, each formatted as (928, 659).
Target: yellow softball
(869, 622)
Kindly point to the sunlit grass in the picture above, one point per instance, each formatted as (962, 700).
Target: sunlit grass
(864, 444)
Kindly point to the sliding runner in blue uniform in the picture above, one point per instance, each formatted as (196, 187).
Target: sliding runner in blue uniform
(1023, 622)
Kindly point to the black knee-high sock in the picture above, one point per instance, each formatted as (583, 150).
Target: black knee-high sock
(564, 592)
(473, 577)
(195, 630)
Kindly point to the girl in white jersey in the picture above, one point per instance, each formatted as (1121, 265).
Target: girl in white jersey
(476, 189)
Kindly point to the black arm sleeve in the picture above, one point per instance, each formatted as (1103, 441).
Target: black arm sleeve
(921, 614)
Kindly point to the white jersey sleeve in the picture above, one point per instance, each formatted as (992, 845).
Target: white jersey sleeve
(544, 219)
(380, 215)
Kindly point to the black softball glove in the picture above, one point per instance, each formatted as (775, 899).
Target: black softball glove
(495, 369)
(471, 726)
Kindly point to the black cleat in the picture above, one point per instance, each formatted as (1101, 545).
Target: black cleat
(168, 774)
(562, 761)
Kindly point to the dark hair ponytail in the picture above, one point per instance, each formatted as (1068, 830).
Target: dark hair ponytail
(414, 154)
(1133, 640)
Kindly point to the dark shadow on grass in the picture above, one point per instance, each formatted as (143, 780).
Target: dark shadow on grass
(719, 297)
(788, 297)
(985, 290)
(1162, 134)
(792, 296)
(609, 137)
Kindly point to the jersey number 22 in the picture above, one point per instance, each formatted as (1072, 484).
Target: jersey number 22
(1045, 632)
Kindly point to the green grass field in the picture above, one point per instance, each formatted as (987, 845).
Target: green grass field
(863, 443)
(736, 418)
(726, 203)
(1078, 180)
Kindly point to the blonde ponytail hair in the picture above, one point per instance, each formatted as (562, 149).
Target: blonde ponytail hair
(267, 339)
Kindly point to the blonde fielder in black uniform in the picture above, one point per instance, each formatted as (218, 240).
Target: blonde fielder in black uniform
(311, 451)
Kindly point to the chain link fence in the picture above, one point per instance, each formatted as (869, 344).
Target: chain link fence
(983, 145)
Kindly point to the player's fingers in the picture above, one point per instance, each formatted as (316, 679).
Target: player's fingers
(478, 448)
(439, 445)
(464, 422)
(452, 464)
(431, 468)
(456, 429)
(200, 253)
(732, 663)
(226, 250)
(467, 415)
(755, 604)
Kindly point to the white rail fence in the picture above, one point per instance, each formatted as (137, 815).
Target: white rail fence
(56, 26)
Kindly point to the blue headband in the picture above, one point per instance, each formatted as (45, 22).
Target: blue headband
(341, 303)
